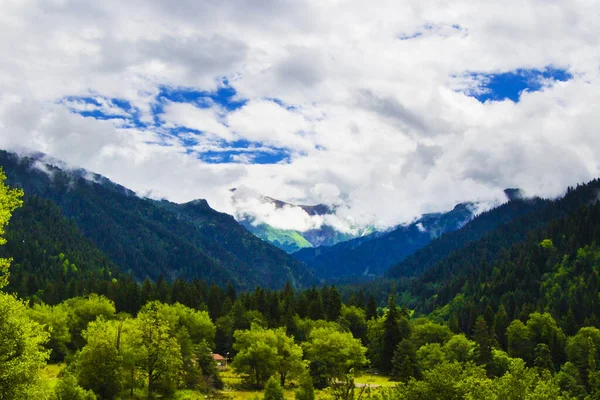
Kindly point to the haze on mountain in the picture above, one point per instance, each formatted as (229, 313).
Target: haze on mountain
(292, 227)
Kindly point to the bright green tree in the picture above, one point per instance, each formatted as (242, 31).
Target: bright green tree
(289, 357)
(21, 349)
(353, 319)
(334, 354)
(459, 348)
(99, 364)
(82, 311)
(56, 321)
(256, 356)
(306, 391)
(519, 340)
(580, 347)
(429, 355)
(160, 354)
(543, 357)
(67, 388)
(10, 199)
(273, 390)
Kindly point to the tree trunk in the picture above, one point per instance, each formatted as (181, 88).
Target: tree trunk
(132, 380)
(282, 379)
(150, 382)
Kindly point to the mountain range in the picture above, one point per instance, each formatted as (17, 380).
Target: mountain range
(148, 238)
(107, 231)
(370, 256)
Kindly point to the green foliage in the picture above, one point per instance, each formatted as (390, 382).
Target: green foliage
(483, 351)
(405, 363)
(10, 199)
(543, 357)
(428, 356)
(333, 354)
(56, 321)
(99, 364)
(273, 390)
(459, 348)
(82, 311)
(581, 347)
(353, 319)
(161, 361)
(424, 331)
(395, 329)
(21, 350)
(263, 352)
(256, 356)
(306, 391)
(67, 388)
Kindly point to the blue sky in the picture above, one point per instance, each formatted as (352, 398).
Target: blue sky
(511, 84)
(224, 98)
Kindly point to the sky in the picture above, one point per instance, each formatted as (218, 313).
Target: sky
(387, 110)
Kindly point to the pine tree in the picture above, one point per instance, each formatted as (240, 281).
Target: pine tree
(481, 336)
(371, 311)
(334, 307)
(543, 357)
(405, 364)
(391, 334)
(501, 322)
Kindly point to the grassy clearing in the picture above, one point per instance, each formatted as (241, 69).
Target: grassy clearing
(234, 388)
(375, 380)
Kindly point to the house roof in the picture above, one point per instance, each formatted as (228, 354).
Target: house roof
(218, 357)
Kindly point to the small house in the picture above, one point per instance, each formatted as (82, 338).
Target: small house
(220, 360)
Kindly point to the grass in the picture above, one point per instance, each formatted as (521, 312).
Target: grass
(234, 388)
(375, 380)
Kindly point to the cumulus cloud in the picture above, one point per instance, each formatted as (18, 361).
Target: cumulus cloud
(375, 113)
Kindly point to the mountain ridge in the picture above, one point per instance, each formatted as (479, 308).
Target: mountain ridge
(150, 238)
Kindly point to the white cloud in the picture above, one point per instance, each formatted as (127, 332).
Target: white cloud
(201, 119)
(371, 121)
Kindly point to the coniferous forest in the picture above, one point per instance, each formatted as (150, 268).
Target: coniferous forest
(504, 308)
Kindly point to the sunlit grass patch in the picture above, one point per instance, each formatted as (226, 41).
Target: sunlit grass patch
(374, 380)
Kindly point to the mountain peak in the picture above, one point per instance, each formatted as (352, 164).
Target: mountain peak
(514, 194)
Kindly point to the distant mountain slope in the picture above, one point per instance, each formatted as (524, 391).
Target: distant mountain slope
(148, 238)
(291, 240)
(371, 256)
(444, 245)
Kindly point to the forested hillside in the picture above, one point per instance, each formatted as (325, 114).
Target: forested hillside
(552, 268)
(52, 260)
(148, 238)
(483, 224)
